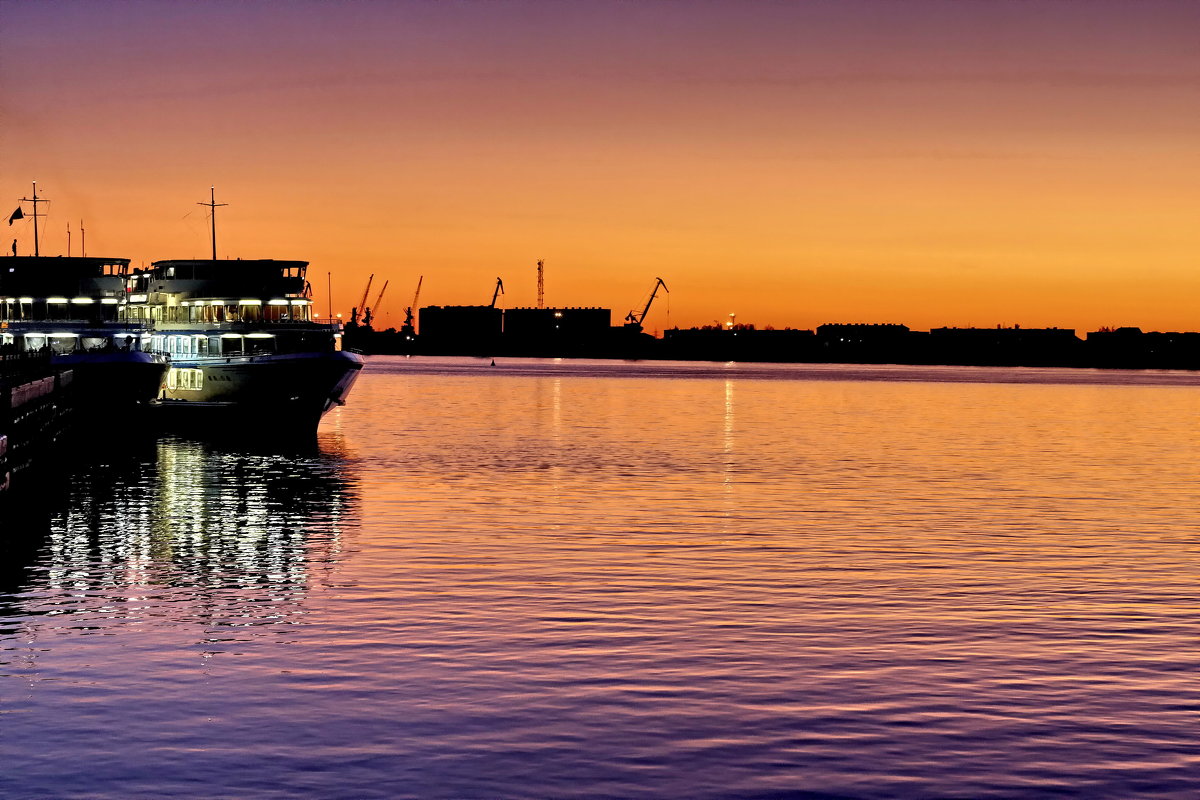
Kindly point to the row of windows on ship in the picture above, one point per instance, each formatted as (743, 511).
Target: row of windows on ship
(214, 311)
(110, 309)
(188, 344)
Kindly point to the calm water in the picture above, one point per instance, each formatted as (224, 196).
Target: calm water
(627, 580)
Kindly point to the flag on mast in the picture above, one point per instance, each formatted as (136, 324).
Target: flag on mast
(16, 215)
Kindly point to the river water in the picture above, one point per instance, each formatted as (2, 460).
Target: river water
(597, 579)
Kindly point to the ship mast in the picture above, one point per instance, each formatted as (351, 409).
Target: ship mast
(212, 204)
(35, 200)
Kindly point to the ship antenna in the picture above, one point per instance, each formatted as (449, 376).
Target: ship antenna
(35, 200)
(213, 205)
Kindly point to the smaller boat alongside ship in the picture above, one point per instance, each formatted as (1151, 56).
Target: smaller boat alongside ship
(68, 307)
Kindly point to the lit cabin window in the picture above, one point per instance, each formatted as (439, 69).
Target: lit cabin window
(63, 342)
(250, 310)
(185, 379)
(260, 343)
(180, 345)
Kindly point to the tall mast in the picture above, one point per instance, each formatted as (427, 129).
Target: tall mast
(541, 286)
(213, 205)
(35, 200)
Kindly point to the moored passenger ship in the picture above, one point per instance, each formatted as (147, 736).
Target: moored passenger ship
(243, 343)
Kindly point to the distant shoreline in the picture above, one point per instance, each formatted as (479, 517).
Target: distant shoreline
(1123, 348)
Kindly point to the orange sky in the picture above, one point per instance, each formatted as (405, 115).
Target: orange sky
(931, 163)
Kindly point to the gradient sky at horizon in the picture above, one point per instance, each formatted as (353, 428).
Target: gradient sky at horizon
(927, 162)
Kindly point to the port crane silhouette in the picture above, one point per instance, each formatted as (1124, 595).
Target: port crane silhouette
(358, 310)
(634, 320)
(407, 328)
(372, 311)
(499, 291)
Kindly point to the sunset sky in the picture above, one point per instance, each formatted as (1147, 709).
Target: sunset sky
(929, 163)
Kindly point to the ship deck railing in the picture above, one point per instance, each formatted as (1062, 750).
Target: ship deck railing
(142, 326)
(164, 326)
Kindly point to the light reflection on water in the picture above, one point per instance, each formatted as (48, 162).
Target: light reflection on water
(228, 537)
(561, 579)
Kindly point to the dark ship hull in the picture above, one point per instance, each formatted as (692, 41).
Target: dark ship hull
(286, 392)
(108, 382)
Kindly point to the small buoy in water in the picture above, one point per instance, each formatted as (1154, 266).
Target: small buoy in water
(493, 362)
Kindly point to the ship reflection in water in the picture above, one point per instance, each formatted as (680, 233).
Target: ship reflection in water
(209, 533)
